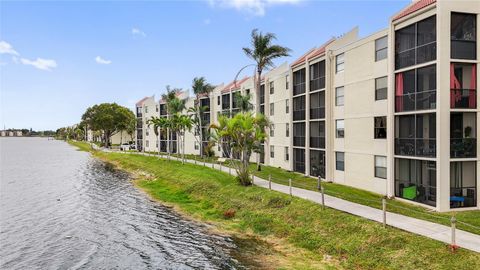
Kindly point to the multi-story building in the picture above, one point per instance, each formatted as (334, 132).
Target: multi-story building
(145, 136)
(394, 113)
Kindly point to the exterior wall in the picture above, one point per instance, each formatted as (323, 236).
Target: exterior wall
(121, 137)
(359, 110)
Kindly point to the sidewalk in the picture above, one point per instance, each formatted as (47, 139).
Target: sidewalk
(421, 227)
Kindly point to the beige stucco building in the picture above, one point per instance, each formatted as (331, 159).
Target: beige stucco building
(395, 112)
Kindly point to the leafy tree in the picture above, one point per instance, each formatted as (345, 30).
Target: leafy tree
(160, 124)
(109, 119)
(181, 124)
(174, 105)
(200, 87)
(243, 102)
(263, 52)
(243, 133)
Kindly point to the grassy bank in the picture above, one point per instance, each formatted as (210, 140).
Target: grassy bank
(320, 238)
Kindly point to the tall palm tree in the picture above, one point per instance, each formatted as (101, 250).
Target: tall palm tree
(263, 52)
(200, 87)
(183, 124)
(174, 105)
(243, 102)
(159, 125)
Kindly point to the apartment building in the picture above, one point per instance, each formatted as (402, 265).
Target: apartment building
(145, 136)
(395, 113)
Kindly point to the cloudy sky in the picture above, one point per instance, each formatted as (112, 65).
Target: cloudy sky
(59, 57)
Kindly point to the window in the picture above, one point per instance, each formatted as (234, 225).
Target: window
(287, 106)
(317, 163)
(287, 130)
(272, 130)
(381, 49)
(381, 91)
(196, 146)
(247, 92)
(463, 36)
(262, 94)
(299, 82)
(317, 134)
(416, 89)
(339, 96)
(287, 156)
(272, 89)
(340, 127)
(147, 132)
(226, 102)
(299, 160)
(272, 108)
(146, 143)
(218, 100)
(146, 109)
(380, 127)
(340, 161)
(317, 76)
(340, 62)
(287, 78)
(416, 43)
(381, 167)
(156, 108)
(463, 85)
(272, 151)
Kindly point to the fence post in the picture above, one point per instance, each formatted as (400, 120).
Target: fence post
(270, 181)
(318, 183)
(384, 208)
(290, 185)
(323, 197)
(453, 221)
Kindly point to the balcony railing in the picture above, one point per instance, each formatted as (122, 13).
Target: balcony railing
(317, 142)
(463, 147)
(298, 141)
(316, 84)
(317, 113)
(298, 89)
(415, 147)
(298, 115)
(425, 100)
(463, 99)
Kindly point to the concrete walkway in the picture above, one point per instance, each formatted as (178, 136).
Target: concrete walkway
(417, 226)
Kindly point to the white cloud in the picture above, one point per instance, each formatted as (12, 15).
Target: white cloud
(138, 32)
(102, 61)
(255, 7)
(6, 48)
(43, 64)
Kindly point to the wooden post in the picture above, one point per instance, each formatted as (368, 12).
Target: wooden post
(270, 181)
(453, 222)
(290, 185)
(384, 208)
(323, 197)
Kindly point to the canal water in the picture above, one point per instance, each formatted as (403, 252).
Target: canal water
(62, 209)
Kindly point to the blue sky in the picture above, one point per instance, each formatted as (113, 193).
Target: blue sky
(58, 57)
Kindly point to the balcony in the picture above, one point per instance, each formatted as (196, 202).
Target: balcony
(298, 89)
(317, 142)
(426, 100)
(415, 147)
(463, 98)
(298, 141)
(316, 84)
(299, 115)
(317, 113)
(463, 148)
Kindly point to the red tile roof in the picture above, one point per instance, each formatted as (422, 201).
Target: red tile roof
(140, 102)
(415, 6)
(233, 85)
(313, 53)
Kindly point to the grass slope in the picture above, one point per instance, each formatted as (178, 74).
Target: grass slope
(351, 242)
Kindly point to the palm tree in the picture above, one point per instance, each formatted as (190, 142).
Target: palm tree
(263, 52)
(196, 113)
(244, 132)
(183, 123)
(174, 105)
(243, 102)
(200, 87)
(159, 124)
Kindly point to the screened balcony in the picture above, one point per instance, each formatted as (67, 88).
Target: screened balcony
(317, 134)
(463, 36)
(163, 109)
(317, 163)
(226, 102)
(416, 180)
(317, 76)
(463, 135)
(415, 135)
(317, 105)
(299, 160)
(463, 186)
(262, 94)
(463, 85)
(416, 89)
(299, 82)
(299, 108)
(299, 134)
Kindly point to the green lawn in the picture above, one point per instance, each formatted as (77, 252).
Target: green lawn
(371, 199)
(352, 242)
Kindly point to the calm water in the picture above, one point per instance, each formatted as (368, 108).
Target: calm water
(62, 209)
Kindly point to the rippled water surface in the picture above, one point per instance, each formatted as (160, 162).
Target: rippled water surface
(62, 209)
